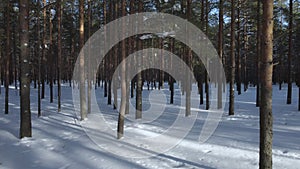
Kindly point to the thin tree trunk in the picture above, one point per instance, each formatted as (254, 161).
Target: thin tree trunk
(131, 50)
(51, 60)
(266, 117)
(239, 66)
(138, 113)
(258, 52)
(89, 103)
(202, 27)
(8, 56)
(110, 67)
(25, 114)
(15, 56)
(116, 53)
(232, 69)
(171, 80)
(245, 80)
(39, 62)
(220, 47)
(83, 111)
(106, 67)
(123, 80)
(44, 49)
(289, 92)
(58, 3)
(206, 74)
(189, 63)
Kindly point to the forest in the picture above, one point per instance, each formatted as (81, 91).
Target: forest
(45, 43)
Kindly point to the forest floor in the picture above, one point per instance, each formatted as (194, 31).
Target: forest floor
(59, 141)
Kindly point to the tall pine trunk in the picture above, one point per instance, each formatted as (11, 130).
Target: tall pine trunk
(44, 50)
(8, 57)
(232, 54)
(206, 74)
(238, 45)
(89, 101)
(123, 80)
(25, 114)
(83, 110)
(50, 57)
(289, 92)
(139, 82)
(258, 53)
(58, 3)
(189, 63)
(220, 49)
(116, 56)
(266, 117)
(39, 61)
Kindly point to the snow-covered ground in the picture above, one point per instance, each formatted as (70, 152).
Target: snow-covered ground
(59, 141)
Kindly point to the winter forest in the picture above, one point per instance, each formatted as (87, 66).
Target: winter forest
(149, 84)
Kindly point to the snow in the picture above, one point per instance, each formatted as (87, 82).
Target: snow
(60, 141)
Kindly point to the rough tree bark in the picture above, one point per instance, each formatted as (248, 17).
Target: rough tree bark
(8, 56)
(50, 58)
(206, 74)
(220, 50)
(258, 52)
(89, 75)
(289, 92)
(123, 80)
(138, 113)
(238, 45)
(25, 114)
(266, 117)
(58, 3)
(39, 61)
(44, 49)
(83, 110)
(189, 63)
(232, 54)
(115, 56)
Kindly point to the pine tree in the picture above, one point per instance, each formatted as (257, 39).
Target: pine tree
(232, 68)
(123, 80)
(25, 122)
(83, 110)
(266, 117)
(289, 78)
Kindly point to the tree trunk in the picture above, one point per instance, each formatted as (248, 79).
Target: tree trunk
(8, 56)
(44, 49)
(83, 110)
(245, 80)
(39, 61)
(232, 69)
(289, 92)
(189, 63)
(123, 80)
(266, 117)
(258, 53)
(50, 57)
(206, 74)
(116, 57)
(89, 103)
(131, 50)
(58, 3)
(105, 61)
(25, 114)
(138, 113)
(239, 66)
(220, 47)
